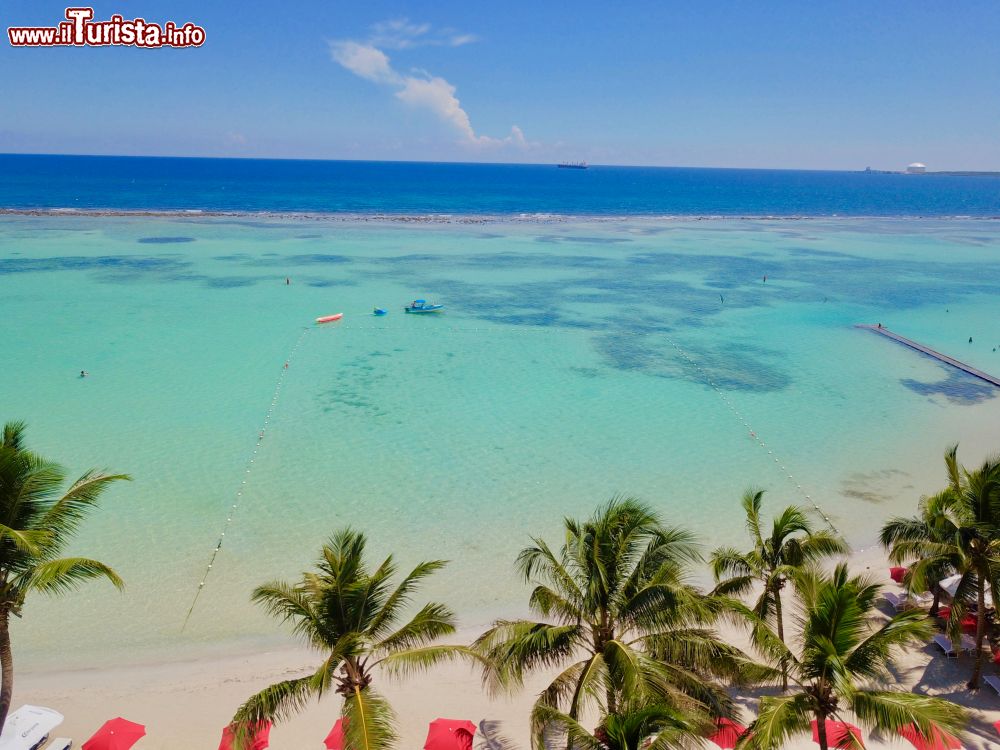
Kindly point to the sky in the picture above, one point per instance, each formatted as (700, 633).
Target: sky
(778, 84)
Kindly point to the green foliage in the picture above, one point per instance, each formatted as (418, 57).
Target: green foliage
(353, 616)
(957, 531)
(37, 522)
(842, 664)
(623, 623)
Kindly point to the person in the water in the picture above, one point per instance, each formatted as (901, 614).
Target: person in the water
(84, 373)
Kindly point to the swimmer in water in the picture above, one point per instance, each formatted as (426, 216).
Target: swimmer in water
(970, 339)
(84, 373)
(288, 281)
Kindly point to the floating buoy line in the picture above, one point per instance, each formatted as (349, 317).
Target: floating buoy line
(754, 434)
(240, 493)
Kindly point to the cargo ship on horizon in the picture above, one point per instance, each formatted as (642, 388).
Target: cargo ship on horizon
(573, 165)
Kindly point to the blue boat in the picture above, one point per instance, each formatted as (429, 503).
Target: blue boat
(380, 311)
(421, 306)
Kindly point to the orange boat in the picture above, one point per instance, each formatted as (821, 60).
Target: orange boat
(329, 318)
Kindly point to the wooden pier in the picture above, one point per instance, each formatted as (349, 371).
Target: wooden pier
(931, 353)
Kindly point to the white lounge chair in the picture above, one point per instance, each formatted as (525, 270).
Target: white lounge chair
(944, 643)
(60, 743)
(28, 727)
(993, 682)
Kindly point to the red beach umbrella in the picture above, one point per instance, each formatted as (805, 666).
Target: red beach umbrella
(940, 740)
(727, 733)
(996, 726)
(897, 574)
(335, 740)
(258, 741)
(450, 734)
(116, 734)
(839, 734)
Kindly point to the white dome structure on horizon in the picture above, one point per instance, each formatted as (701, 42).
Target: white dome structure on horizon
(916, 168)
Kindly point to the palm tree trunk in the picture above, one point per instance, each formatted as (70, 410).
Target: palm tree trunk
(781, 637)
(6, 668)
(980, 631)
(936, 602)
(821, 731)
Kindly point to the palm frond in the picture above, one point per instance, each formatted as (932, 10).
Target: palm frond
(778, 719)
(13, 435)
(275, 703)
(400, 597)
(66, 574)
(369, 722)
(513, 648)
(431, 622)
(889, 711)
(412, 660)
(752, 501)
(552, 728)
(31, 542)
(730, 562)
(871, 657)
(292, 604)
(66, 514)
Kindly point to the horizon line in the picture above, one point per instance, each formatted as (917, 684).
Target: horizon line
(476, 163)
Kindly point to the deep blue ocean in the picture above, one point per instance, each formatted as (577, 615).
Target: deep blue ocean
(262, 185)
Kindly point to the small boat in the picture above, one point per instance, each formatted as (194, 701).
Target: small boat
(380, 311)
(421, 306)
(329, 318)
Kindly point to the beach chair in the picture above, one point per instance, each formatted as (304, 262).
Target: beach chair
(994, 682)
(60, 743)
(944, 643)
(925, 599)
(899, 602)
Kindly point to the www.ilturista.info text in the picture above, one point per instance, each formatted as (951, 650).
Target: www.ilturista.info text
(80, 30)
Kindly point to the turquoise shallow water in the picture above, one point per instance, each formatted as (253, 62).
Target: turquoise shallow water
(575, 361)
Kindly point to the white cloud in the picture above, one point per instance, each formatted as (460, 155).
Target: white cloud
(437, 95)
(419, 88)
(364, 60)
(401, 33)
(457, 40)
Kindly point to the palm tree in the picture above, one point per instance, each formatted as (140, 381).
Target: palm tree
(625, 621)
(635, 726)
(969, 544)
(844, 654)
(351, 614)
(907, 540)
(792, 544)
(36, 524)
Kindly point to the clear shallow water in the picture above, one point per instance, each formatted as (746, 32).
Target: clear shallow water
(553, 381)
(260, 185)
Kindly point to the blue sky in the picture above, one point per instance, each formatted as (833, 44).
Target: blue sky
(742, 84)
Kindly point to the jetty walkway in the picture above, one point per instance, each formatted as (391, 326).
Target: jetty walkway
(932, 353)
